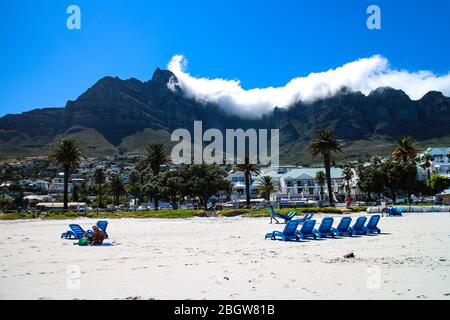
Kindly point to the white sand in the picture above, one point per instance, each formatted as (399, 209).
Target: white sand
(225, 258)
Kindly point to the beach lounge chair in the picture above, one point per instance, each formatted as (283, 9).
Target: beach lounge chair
(306, 217)
(287, 234)
(371, 226)
(394, 212)
(75, 232)
(325, 228)
(343, 227)
(273, 214)
(358, 227)
(306, 231)
(102, 225)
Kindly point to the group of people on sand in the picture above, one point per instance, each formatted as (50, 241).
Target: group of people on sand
(94, 239)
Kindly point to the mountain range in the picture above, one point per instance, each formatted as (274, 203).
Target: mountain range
(117, 116)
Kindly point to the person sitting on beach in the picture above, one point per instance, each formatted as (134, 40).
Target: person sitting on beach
(98, 236)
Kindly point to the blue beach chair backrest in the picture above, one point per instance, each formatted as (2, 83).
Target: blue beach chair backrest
(326, 225)
(359, 224)
(373, 221)
(79, 232)
(102, 225)
(344, 224)
(291, 226)
(308, 226)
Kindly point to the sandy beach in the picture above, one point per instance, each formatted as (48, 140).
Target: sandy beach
(225, 258)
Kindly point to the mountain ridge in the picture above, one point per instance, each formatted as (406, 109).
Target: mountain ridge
(125, 111)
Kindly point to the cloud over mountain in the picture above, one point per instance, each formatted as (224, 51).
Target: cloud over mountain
(363, 75)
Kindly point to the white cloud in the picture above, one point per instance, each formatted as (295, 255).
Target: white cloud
(362, 75)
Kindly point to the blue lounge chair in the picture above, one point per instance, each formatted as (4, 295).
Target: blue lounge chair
(358, 227)
(274, 214)
(306, 231)
(394, 212)
(343, 227)
(306, 217)
(325, 228)
(371, 226)
(287, 234)
(75, 232)
(102, 225)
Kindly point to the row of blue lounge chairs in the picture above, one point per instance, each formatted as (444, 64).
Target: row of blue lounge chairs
(325, 229)
(76, 232)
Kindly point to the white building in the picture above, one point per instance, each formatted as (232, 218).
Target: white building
(440, 162)
(57, 186)
(302, 183)
(293, 183)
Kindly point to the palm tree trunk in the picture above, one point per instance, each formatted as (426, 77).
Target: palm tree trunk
(429, 177)
(328, 174)
(66, 188)
(156, 202)
(247, 187)
(321, 192)
(100, 196)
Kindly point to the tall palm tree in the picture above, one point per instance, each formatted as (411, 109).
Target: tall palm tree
(99, 177)
(248, 168)
(116, 188)
(404, 151)
(426, 164)
(325, 145)
(156, 157)
(68, 155)
(320, 178)
(347, 175)
(267, 187)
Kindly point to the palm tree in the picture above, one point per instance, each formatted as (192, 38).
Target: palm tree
(248, 168)
(347, 175)
(267, 187)
(426, 164)
(156, 157)
(99, 177)
(325, 145)
(320, 178)
(404, 151)
(67, 155)
(116, 188)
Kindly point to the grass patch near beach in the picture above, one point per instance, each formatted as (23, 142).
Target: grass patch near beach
(172, 214)
(169, 214)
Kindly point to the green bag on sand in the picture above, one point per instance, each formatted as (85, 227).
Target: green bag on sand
(83, 241)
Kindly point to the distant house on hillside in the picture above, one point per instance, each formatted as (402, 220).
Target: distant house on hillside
(440, 162)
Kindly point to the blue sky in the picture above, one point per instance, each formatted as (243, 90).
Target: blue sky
(261, 43)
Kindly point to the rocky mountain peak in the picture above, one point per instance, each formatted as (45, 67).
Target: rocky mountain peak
(163, 77)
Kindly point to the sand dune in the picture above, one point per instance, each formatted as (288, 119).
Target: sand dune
(225, 258)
